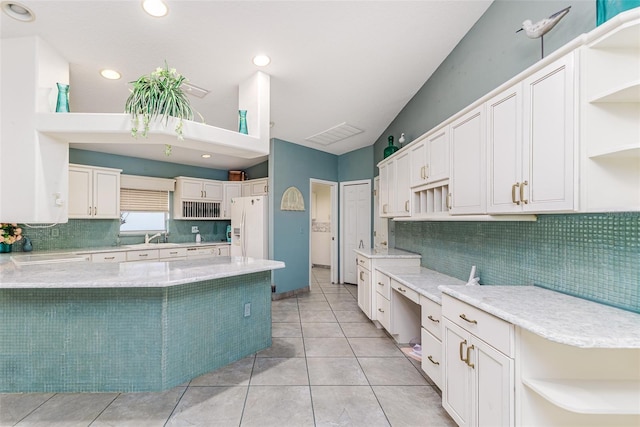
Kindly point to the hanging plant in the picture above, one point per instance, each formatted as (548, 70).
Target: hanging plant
(158, 95)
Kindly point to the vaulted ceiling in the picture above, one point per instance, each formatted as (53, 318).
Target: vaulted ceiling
(332, 62)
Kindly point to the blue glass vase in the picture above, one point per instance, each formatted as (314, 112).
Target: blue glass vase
(243, 122)
(390, 149)
(607, 9)
(5, 248)
(62, 105)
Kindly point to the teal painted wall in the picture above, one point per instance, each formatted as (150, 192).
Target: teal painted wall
(294, 165)
(261, 170)
(356, 165)
(594, 256)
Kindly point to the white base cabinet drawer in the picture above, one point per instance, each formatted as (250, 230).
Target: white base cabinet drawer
(383, 285)
(109, 257)
(150, 254)
(383, 312)
(405, 291)
(431, 316)
(363, 262)
(168, 253)
(483, 325)
(432, 357)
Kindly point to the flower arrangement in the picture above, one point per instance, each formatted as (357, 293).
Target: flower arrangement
(158, 94)
(10, 233)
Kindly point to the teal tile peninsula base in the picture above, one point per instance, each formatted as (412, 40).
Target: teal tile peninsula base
(129, 339)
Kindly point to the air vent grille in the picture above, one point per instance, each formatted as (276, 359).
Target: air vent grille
(334, 134)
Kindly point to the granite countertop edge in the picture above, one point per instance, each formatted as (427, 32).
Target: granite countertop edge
(555, 316)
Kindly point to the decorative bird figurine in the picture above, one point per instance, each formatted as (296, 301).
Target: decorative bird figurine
(542, 27)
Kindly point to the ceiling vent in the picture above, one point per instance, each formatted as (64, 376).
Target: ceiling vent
(194, 90)
(334, 134)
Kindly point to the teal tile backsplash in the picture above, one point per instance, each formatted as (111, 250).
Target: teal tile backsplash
(593, 256)
(94, 233)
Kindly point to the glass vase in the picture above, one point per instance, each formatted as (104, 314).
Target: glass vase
(5, 248)
(607, 9)
(390, 149)
(62, 105)
(242, 128)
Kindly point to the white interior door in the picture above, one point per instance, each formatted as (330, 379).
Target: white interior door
(356, 225)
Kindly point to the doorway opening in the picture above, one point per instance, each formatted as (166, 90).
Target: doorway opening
(323, 236)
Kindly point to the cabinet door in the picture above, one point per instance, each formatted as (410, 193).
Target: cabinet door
(246, 189)
(418, 156)
(494, 387)
(106, 194)
(504, 151)
(231, 190)
(548, 138)
(260, 187)
(223, 250)
(212, 191)
(468, 178)
(384, 191)
(438, 156)
(191, 189)
(80, 193)
(402, 187)
(456, 391)
(364, 291)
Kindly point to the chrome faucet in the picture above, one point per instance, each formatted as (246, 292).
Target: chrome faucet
(148, 239)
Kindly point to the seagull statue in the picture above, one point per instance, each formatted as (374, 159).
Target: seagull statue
(542, 27)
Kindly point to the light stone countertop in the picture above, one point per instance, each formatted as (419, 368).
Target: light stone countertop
(127, 274)
(422, 280)
(555, 316)
(385, 253)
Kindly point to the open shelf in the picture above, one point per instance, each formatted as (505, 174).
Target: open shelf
(625, 151)
(627, 92)
(625, 36)
(607, 397)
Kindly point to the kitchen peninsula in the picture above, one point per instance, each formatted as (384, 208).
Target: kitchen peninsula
(129, 326)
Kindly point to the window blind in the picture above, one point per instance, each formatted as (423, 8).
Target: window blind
(144, 200)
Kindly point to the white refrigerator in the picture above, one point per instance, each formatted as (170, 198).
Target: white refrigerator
(249, 227)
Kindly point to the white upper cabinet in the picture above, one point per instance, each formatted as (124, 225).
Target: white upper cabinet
(199, 189)
(430, 158)
(94, 192)
(255, 187)
(395, 190)
(231, 189)
(467, 185)
(548, 151)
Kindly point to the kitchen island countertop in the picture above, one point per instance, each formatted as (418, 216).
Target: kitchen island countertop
(139, 274)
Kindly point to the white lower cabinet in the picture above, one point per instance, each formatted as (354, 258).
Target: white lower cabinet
(432, 362)
(145, 255)
(109, 257)
(364, 290)
(172, 253)
(479, 369)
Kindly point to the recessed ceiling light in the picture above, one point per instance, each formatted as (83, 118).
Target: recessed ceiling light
(261, 60)
(206, 156)
(157, 8)
(18, 11)
(110, 74)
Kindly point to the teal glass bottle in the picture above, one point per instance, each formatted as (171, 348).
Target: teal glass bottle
(390, 149)
(607, 9)
(243, 122)
(62, 105)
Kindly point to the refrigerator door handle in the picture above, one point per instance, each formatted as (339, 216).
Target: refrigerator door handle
(243, 237)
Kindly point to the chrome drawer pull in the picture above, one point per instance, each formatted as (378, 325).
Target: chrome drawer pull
(463, 317)
(109, 257)
(143, 255)
(432, 361)
(432, 319)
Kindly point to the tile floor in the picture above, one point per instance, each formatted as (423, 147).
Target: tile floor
(328, 366)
